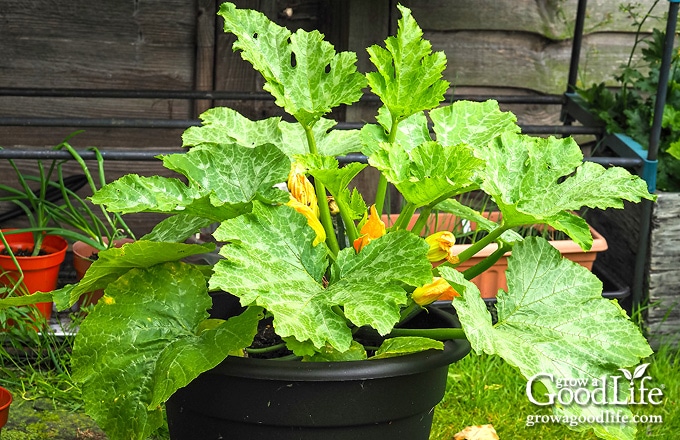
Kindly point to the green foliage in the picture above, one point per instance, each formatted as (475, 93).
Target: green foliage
(537, 329)
(323, 278)
(630, 109)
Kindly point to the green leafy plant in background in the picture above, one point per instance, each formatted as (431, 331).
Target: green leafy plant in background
(50, 206)
(319, 260)
(629, 108)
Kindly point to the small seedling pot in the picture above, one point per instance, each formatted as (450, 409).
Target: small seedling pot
(5, 402)
(40, 272)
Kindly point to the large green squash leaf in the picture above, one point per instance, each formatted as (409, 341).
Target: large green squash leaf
(429, 172)
(471, 123)
(288, 280)
(302, 71)
(115, 262)
(222, 125)
(535, 180)
(409, 75)
(144, 340)
(553, 320)
(231, 173)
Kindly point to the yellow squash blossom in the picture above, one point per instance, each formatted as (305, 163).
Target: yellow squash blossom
(372, 229)
(438, 289)
(302, 189)
(312, 219)
(441, 247)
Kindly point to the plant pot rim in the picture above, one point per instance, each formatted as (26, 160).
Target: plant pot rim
(346, 370)
(5, 398)
(53, 244)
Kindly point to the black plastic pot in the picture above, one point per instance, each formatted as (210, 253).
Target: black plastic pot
(250, 399)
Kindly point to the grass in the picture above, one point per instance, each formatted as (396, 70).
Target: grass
(485, 390)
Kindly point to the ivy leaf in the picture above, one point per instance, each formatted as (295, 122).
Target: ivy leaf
(409, 75)
(553, 320)
(302, 71)
(128, 367)
(428, 172)
(535, 180)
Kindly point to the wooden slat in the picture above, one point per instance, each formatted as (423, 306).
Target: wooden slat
(205, 52)
(525, 61)
(551, 19)
(664, 278)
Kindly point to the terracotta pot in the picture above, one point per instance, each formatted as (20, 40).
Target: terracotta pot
(40, 272)
(5, 402)
(82, 260)
(493, 279)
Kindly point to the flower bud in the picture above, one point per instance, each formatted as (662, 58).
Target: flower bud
(302, 189)
(438, 289)
(312, 219)
(441, 247)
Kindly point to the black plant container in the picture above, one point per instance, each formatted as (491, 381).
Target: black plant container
(251, 399)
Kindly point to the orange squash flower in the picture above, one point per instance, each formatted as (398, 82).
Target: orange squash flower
(438, 289)
(312, 219)
(372, 229)
(441, 247)
(302, 189)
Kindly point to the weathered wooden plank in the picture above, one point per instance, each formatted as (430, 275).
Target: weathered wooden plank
(130, 22)
(663, 317)
(205, 52)
(552, 19)
(526, 61)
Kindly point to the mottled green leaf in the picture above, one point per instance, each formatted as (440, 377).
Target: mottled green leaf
(535, 180)
(114, 262)
(288, 280)
(302, 71)
(128, 367)
(472, 123)
(428, 172)
(553, 320)
(222, 125)
(409, 76)
(403, 345)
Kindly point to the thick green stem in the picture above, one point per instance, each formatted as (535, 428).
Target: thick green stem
(324, 211)
(404, 217)
(486, 263)
(440, 334)
(381, 189)
(420, 224)
(350, 227)
(481, 244)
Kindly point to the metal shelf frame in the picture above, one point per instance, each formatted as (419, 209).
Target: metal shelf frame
(628, 161)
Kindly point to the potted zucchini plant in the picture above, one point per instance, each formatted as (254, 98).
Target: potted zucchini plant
(315, 279)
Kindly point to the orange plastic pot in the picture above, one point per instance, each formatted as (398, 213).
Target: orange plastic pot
(5, 402)
(40, 272)
(82, 260)
(490, 281)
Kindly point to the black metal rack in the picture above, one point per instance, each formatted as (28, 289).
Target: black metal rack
(636, 160)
